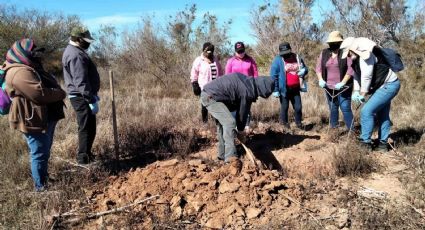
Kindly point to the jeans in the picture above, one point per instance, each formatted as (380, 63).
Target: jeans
(86, 129)
(378, 105)
(39, 146)
(293, 96)
(342, 101)
(225, 126)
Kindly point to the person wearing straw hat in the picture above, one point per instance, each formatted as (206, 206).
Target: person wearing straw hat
(335, 77)
(82, 84)
(374, 79)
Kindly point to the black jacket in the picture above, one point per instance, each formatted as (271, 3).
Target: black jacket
(238, 92)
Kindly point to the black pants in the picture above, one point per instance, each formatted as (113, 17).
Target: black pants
(204, 112)
(86, 128)
(293, 96)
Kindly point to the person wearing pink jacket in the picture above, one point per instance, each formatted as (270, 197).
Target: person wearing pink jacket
(244, 64)
(241, 62)
(205, 68)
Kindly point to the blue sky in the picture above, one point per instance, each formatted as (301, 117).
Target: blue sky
(124, 14)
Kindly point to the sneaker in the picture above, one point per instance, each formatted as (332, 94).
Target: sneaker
(300, 126)
(286, 125)
(382, 147)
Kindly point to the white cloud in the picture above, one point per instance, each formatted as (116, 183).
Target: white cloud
(116, 20)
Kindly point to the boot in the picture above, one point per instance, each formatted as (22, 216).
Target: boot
(235, 166)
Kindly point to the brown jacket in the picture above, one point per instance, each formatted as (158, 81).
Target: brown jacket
(30, 98)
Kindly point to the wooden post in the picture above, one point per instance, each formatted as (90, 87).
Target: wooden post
(114, 115)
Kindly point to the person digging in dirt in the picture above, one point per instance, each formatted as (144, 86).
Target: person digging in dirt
(205, 68)
(37, 104)
(82, 83)
(287, 70)
(373, 76)
(335, 76)
(229, 93)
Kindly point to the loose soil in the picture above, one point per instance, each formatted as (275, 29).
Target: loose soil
(295, 182)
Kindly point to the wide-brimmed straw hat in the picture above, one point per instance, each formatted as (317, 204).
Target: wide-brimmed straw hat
(335, 36)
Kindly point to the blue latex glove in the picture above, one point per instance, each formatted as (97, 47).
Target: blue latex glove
(339, 85)
(97, 98)
(276, 94)
(357, 98)
(355, 95)
(322, 83)
(94, 108)
(304, 87)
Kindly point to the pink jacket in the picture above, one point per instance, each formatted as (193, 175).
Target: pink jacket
(201, 71)
(245, 66)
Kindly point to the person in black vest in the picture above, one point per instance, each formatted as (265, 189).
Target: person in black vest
(335, 76)
(374, 77)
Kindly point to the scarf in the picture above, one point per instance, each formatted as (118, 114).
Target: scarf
(20, 52)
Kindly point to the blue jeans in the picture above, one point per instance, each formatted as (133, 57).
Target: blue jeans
(378, 105)
(342, 101)
(39, 145)
(293, 96)
(225, 126)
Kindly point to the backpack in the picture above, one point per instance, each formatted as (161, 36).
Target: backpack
(5, 100)
(389, 57)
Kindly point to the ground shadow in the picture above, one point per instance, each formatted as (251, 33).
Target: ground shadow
(141, 149)
(407, 136)
(262, 146)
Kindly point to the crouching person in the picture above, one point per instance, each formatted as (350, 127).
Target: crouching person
(233, 92)
(36, 104)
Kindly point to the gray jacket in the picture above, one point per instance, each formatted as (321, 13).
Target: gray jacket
(80, 74)
(238, 92)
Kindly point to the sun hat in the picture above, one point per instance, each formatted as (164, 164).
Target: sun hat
(335, 36)
(345, 46)
(82, 32)
(361, 46)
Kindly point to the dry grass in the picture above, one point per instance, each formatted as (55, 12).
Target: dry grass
(156, 122)
(353, 160)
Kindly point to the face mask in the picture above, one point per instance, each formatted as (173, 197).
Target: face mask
(83, 44)
(287, 55)
(334, 46)
(241, 55)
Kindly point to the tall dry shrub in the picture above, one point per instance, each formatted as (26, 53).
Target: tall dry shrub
(289, 20)
(49, 30)
(165, 55)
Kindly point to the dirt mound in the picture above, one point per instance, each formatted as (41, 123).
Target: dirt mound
(297, 186)
(201, 190)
